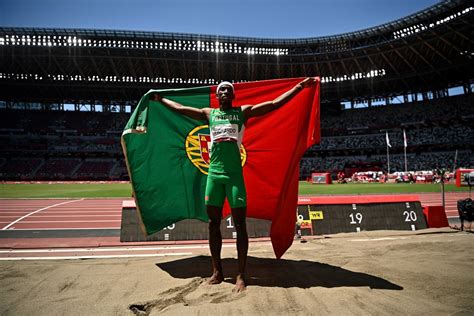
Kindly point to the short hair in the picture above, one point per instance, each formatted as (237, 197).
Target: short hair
(225, 83)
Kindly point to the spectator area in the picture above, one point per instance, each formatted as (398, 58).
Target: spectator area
(55, 145)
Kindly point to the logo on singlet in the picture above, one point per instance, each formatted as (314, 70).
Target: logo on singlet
(198, 147)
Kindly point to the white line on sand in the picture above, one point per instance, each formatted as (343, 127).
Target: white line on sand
(100, 249)
(98, 256)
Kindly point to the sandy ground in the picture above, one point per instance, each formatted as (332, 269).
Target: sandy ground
(429, 272)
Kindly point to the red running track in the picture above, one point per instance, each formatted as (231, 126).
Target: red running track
(33, 215)
(60, 214)
(68, 214)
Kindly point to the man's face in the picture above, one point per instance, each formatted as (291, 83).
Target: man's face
(225, 93)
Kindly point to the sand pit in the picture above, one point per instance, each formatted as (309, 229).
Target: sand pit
(383, 272)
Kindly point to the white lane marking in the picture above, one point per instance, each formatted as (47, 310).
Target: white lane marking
(79, 213)
(68, 228)
(34, 212)
(99, 249)
(98, 221)
(56, 216)
(87, 210)
(97, 257)
(82, 207)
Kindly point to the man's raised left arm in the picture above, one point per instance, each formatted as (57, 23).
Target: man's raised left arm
(266, 107)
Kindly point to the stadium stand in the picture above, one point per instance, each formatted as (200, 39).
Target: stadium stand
(68, 150)
(63, 120)
(94, 169)
(19, 169)
(57, 169)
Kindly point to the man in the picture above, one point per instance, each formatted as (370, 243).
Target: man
(225, 177)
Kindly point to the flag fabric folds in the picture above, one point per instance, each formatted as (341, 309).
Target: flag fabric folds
(167, 156)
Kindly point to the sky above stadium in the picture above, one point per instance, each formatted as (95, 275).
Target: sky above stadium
(248, 18)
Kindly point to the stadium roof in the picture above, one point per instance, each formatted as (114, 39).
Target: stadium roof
(431, 50)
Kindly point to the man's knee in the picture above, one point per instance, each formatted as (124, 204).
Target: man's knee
(240, 224)
(239, 217)
(214, 223)
(214, 214)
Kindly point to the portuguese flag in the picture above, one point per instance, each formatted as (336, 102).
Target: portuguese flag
(167, 156)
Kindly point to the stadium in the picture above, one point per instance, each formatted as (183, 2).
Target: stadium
(395, 106)
(399, 74)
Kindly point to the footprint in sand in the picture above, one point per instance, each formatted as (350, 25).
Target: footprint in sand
(196, 292)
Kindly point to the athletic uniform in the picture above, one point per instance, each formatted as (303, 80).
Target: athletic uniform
(225, 178)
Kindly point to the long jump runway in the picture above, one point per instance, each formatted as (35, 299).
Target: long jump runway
(37, 227)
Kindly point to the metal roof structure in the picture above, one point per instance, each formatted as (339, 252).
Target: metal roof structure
(429, 51)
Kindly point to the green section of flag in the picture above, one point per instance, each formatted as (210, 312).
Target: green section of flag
(167, 186)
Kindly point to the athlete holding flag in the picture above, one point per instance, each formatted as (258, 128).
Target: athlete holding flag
(225, 178)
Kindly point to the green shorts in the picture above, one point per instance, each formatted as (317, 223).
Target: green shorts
(230, 185)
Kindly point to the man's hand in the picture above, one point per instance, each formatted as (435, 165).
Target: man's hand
(308, 82)
(156, 97)
(266, 107)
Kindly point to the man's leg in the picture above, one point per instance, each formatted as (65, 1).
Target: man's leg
(215, 243)
(239, 215)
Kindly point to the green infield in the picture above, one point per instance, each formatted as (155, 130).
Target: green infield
(65, 190)
(124, 190)
(306, 188)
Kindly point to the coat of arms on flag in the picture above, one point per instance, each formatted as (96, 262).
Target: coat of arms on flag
(198, 148)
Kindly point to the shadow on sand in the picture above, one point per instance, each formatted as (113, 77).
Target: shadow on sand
(279, 273)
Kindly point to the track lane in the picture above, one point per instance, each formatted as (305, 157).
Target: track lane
(82, 214)
(96, 223)
(106, 213)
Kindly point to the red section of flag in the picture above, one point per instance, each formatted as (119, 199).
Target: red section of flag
(204, 140)
(275, 144)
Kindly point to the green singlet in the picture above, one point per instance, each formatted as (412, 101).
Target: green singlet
(225, 178)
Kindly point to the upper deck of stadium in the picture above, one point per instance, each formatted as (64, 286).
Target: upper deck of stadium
(429, 51)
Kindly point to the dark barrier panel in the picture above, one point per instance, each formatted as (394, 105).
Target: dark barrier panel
(319, 216)
(189, 229)
(346, 218)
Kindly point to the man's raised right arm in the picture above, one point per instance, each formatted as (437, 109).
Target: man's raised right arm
(195, 113)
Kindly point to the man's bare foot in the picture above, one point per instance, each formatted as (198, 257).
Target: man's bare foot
(239, 284)
(216, 278)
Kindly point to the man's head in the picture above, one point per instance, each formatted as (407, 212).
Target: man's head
(225, 83)
(225, 94)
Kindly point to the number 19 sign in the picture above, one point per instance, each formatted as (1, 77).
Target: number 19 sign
(355, 214)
